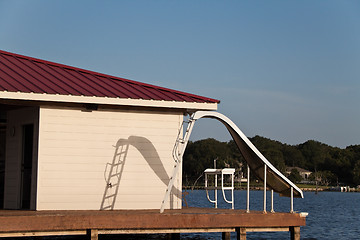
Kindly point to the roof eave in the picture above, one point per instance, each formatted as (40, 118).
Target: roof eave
(107, 101)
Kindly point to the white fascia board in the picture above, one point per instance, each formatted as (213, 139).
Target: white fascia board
(105, 100)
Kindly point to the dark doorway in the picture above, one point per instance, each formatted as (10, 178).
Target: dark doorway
(2, 164)
(26, 166)
(2, 154)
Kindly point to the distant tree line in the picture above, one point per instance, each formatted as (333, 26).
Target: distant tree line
(332, 165)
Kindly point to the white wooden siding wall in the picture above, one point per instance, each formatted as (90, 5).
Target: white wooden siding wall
(76, 146)
(16, 119)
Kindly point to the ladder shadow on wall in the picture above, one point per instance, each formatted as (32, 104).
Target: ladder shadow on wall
(114, 170)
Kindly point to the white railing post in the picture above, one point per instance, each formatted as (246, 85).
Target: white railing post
(248, 190)
(216, 184)
(272, 200)
(232, 191)
(291, 200)
(264, 188)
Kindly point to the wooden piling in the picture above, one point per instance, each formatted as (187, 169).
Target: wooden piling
(241, 233)
(226, 236)
(295, 233)
(173, 236)
(92, 234)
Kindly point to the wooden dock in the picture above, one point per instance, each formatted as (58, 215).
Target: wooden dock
(15, 223)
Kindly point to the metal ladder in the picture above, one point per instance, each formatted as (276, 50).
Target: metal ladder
(178, 152)
(215, 172)
(113, 179)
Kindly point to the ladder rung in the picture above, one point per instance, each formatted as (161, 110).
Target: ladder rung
(110, 206)
(117, 164)
(122, 152)
(114, 175)
(110, 196)
(112, 185)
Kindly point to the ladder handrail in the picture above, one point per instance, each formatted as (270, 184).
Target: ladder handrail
(215, 188)
(177, 155)
(222, 172)
(228, 188)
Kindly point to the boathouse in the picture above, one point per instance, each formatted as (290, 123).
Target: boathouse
(76, 139)
(81, 141)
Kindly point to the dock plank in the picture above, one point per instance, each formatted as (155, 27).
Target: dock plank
(187, 218)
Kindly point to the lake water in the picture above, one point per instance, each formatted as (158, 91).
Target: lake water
(332, 215)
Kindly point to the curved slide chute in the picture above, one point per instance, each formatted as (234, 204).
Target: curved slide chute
(256, 161)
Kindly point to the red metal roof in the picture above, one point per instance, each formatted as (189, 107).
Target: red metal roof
(30, 75)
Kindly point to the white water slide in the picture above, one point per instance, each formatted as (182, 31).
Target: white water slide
(275, 180)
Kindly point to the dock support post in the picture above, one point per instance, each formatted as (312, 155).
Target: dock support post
(92, 234)
(295, 233)
(226, 236)
(241, 233)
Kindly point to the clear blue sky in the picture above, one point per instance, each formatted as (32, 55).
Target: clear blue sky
(286, 70)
